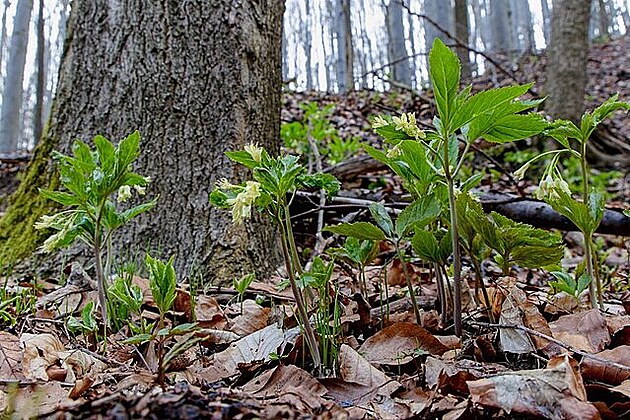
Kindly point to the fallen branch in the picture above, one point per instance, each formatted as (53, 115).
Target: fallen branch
(553, 340)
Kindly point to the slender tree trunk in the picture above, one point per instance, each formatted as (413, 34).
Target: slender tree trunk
(546, 12)
(3, 30)
(396, 50)
(441, 12)
(345, 56)
(500, 22)
(131, 65)
(567, 54)
(38, 111)
(305, 31)
(461, 33)
(13, 91)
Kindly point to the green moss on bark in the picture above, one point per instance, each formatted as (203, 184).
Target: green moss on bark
(18, 237)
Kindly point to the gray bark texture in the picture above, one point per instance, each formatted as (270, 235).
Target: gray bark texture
(500, 18)
(197, 79)
(345, 56)
(40, 68)
(13, 91)
(3, 30)
(462, 34)
(441, 12)
(567, 54)
(396, 50)
(546, 12)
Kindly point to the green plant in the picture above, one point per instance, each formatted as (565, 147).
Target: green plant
(421, 212)
(125, 300)
(162, 282)
(15, 304)
(276, 180)
(358, 253)
(319, 277)
(315, 130)
(241, 286)
(588, 212)
(86, 324)
(91, 178)
(566, 283)
(433, 158)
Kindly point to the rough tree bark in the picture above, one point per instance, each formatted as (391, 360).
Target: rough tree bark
(38, 110)
(396, 49)
(462, 34)
(12, 95)
(345, 55)
(567, 54)
(196, 78)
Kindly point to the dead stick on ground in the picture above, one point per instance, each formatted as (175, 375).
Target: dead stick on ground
(555, 341)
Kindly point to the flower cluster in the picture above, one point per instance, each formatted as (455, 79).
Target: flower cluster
(241, 203)
(408, 124)
(550, 186)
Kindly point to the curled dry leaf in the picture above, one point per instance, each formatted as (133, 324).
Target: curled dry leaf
(40, 352)
(451, 376)
(11, 356)
(290, 385)
(599, 371)
(585, 331)
(619, 329)
(209, 313)
(556, 392)
(253, 318)
(513, 340)
(354, 368)
(256, 346)
(400, 343)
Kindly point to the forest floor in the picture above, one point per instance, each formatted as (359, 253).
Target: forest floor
(532, 352)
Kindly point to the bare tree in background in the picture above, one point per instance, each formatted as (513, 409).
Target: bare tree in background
(3, 30)
(13, 91)
(462, 34)
(567, 54)
(397, 53)
(40, 68)
(345, 56)
(500, 23)
(441, 12)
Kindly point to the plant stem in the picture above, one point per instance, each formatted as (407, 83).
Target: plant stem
(457, 261)
(412, 294)
(308, 330)
(595, 287)
(100, 278)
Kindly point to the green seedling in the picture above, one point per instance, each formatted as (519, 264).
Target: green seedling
(126, 300)
(566, 283)
(418, 214)
(91, 179)
(162, 282)
(495, 115)
(241, 286)
(358, 253)
(587, 212)
(275, 182)
(86, 324)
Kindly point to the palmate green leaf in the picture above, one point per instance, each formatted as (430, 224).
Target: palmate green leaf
(486, 102)
(562, 131)
(444, 71)
(391, 135)
(422, 211)
(243, 157)
(106, 154)
(83, 159)
(383, 220)
(414, 154)
(515, 127)
(537, 256)
(74, 180)
(129, 214)
(586, 218)
(359, 230)
(63, 198)
(430, 247)
(127, 151)
(590, 121)
(327, 182)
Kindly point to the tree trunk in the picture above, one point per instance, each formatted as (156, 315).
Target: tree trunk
(38, 111)
(567, 54)
(345, 56)
(3, 30)
(396, 50)
(13, 91)
(500, 22)
(441, 12)
(546, 12)
(197, 79)
(461, 33)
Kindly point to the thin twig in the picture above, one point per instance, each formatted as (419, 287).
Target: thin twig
(555, 341)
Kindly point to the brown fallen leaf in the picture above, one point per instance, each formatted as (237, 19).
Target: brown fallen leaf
(585, 331)
(209, 313)
(40, 352)
(256, 346)
(556, 392)
(253, 318)
(599, 371)
(619, 329)
(513, 340)
(11, 356)
(354, 368)
(451, 376)
(290, 385)
(400, 343)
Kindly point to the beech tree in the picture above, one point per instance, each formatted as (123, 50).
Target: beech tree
(196, 79)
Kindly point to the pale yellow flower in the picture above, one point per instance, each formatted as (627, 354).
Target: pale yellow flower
(140, 190)
(242, 203)
(254, 151)
(394, 152)
(124, 193)
(408, 124)
(379, 122)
